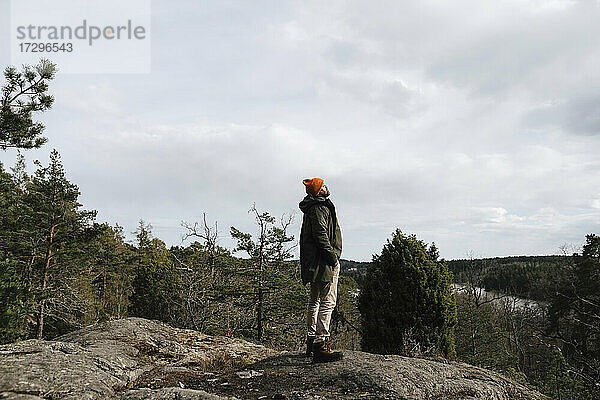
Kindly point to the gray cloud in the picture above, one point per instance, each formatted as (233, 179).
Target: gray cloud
(579, 114)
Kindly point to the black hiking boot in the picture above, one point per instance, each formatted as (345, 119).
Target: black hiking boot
(322, 352)
(309, 345)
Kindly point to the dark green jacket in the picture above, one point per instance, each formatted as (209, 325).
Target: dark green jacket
(320, 239)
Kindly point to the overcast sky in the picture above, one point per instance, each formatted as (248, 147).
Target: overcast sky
(473, 124)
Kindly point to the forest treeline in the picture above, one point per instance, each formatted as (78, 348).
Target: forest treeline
(532, 277)
(61, 269)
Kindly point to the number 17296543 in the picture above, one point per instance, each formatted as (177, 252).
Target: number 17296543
(46, 47)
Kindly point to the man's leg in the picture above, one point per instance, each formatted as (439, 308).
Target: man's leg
(328, 295)
(312, 309)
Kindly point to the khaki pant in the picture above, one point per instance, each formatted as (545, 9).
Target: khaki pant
(321, 302)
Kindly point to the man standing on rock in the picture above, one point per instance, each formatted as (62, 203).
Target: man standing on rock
(320, 250)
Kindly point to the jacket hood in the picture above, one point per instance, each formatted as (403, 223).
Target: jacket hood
(310, 201)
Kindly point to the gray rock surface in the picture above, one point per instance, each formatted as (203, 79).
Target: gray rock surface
(134, 359)
(362, 375)
(170, 394)
(104, 360)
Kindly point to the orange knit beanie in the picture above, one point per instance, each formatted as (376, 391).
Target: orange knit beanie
(313, 186)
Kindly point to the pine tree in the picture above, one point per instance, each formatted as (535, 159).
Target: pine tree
(16, 297)
(574, 312)
(111, 262)
(406, 301)
(16, 302)
(42, 228)
(57, 225)
(24, 93)
(155, 294)
(276, 294)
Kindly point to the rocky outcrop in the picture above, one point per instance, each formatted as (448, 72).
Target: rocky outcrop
(362, 375)
(134, 359)
(105, 360)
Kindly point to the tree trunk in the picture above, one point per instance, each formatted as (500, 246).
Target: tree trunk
(259, 321)
(45, 284)
(104, 291)
(118, 298)
(259, 312)
(28, 272)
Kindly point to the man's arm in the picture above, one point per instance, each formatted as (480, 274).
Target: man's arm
(318, 222)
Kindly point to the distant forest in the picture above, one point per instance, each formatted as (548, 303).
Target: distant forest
(532, 277)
